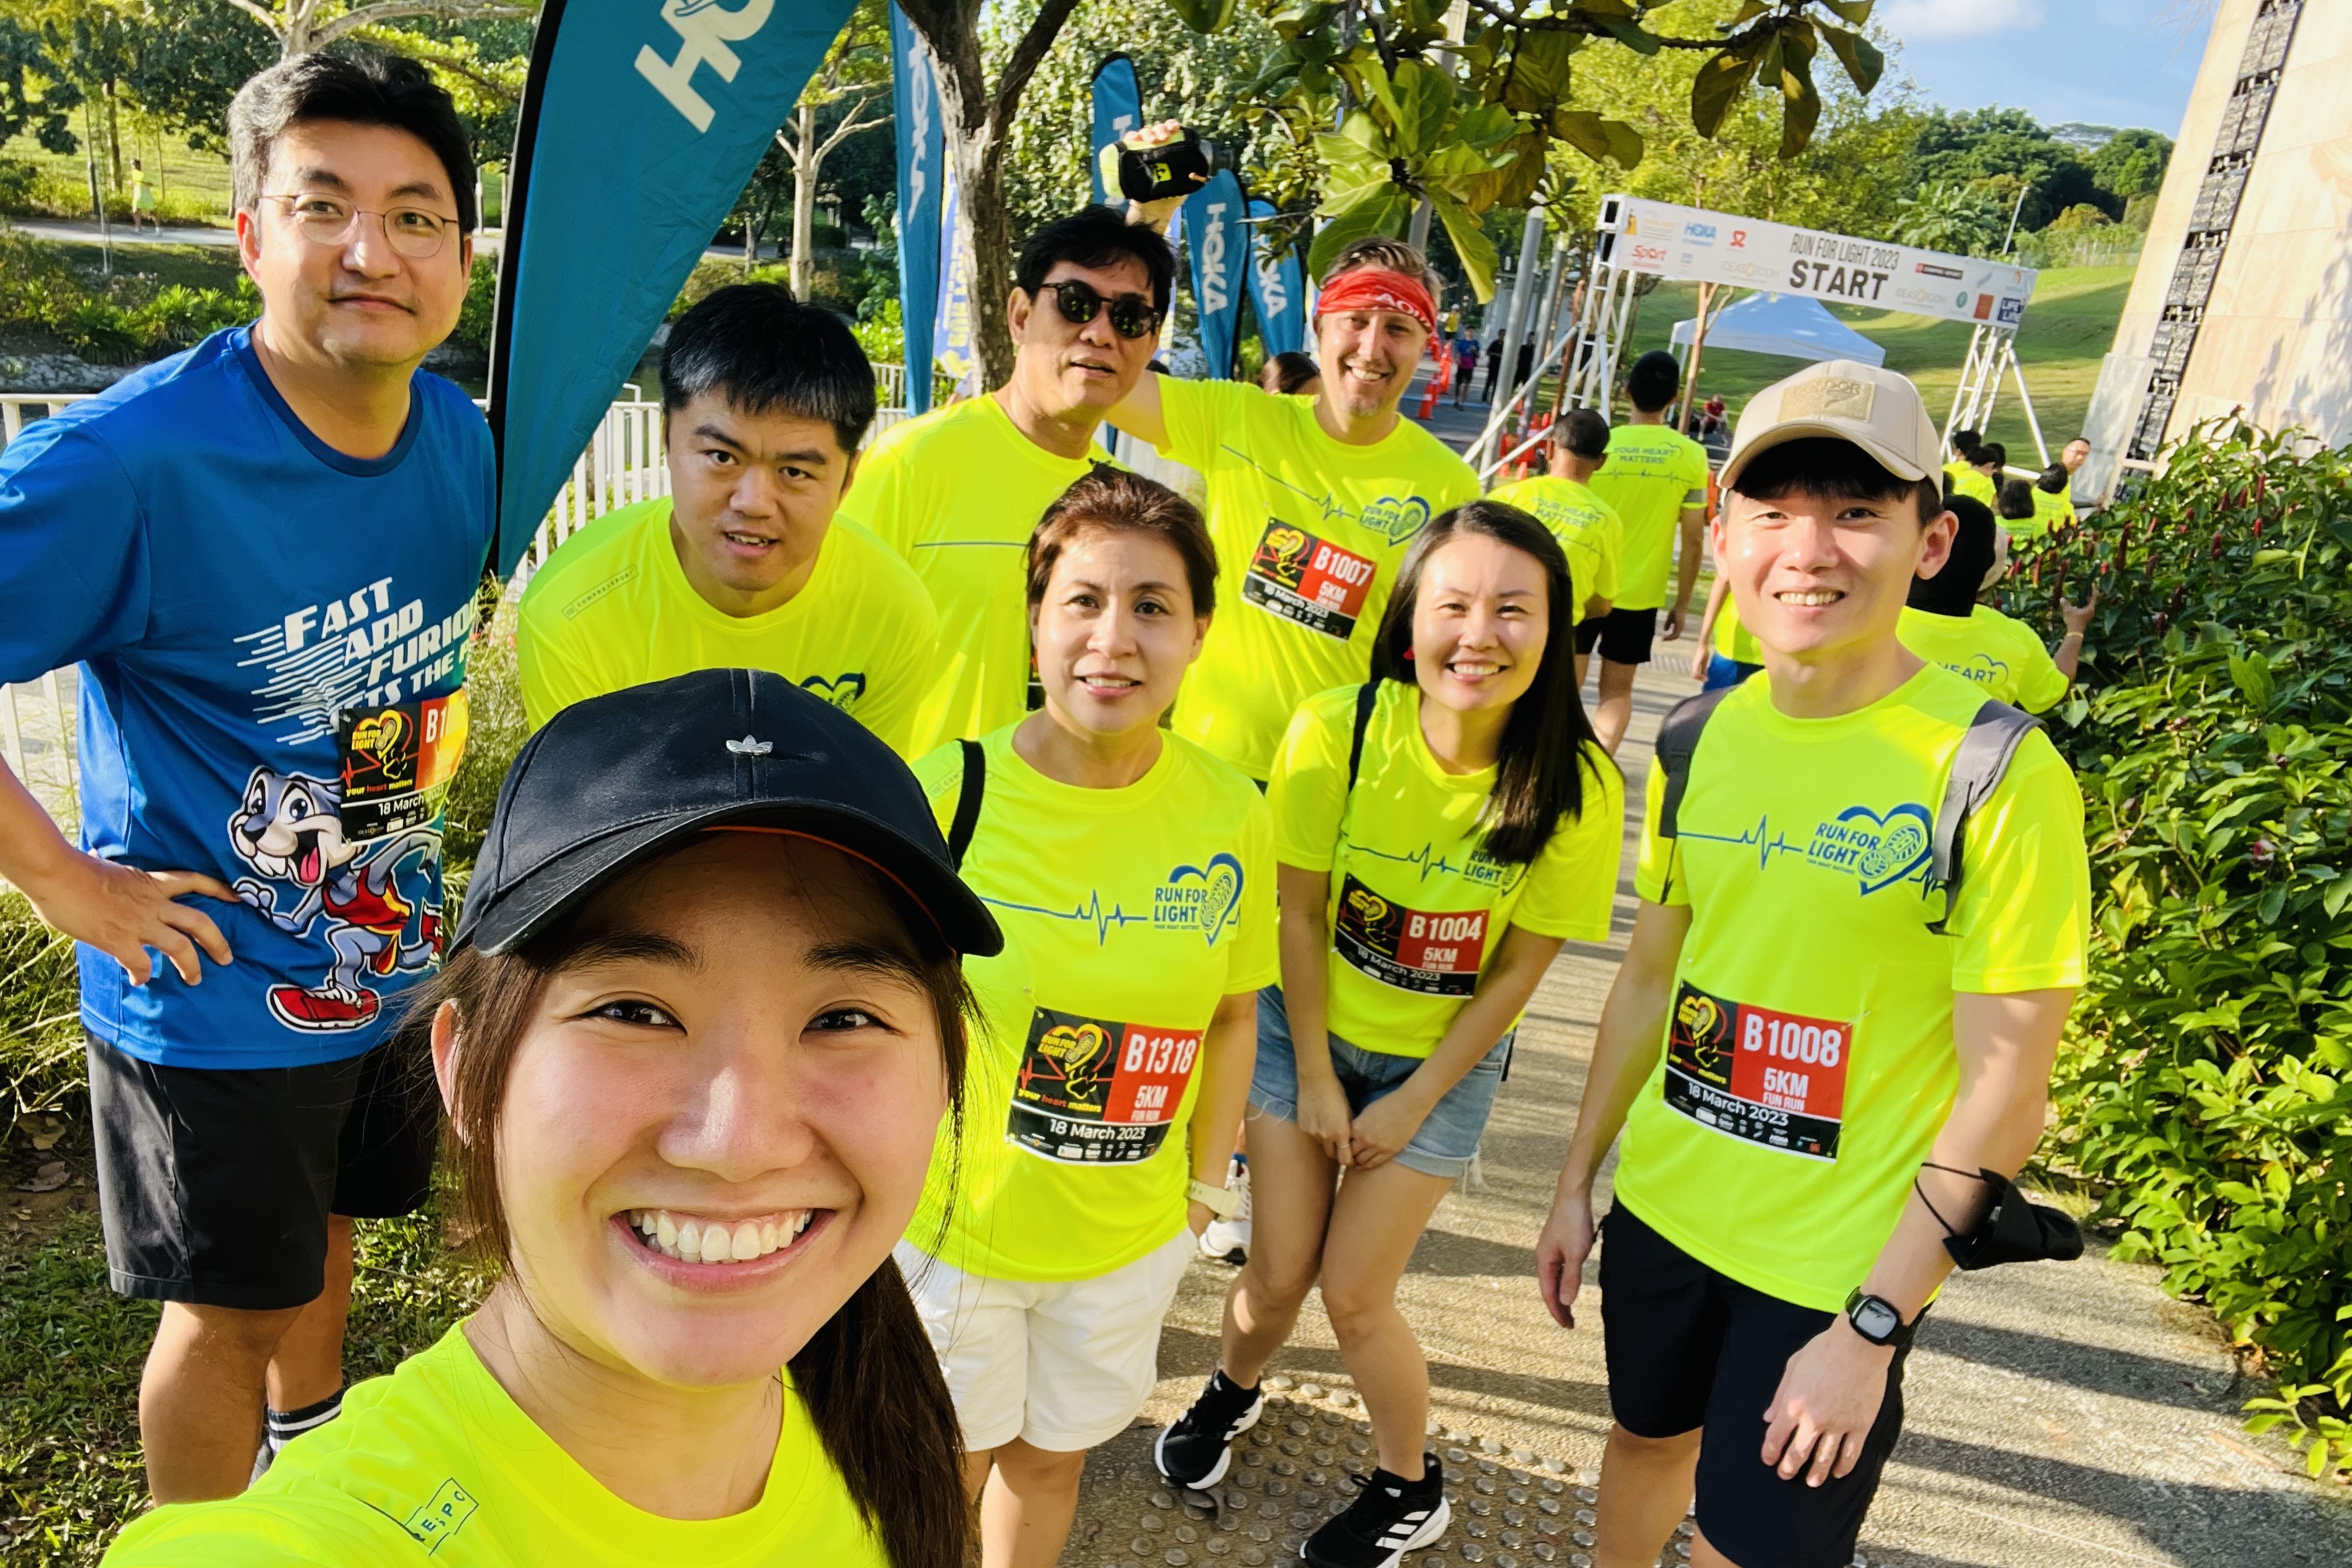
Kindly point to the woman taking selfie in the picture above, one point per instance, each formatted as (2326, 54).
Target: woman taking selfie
(1134, 874)
(1441, 831)
(701, 1023)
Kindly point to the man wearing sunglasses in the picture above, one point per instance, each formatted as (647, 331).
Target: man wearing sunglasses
(262, 554)
(958, 491)
(1311, 503)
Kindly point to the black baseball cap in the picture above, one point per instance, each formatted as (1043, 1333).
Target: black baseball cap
(616, 780)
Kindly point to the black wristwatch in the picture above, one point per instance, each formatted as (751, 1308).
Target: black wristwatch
(1876, 1318)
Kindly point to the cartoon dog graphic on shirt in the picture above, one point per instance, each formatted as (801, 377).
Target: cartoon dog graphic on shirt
(289, 827)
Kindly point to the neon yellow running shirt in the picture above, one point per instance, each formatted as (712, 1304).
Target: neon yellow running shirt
(958, 493)
(436, 1466)
(1310, 532)
(1134, 912)
(1653, 474)
(1807, 1063)
(2001, 656)
(1417, 909)
(1587, 527)
(613, 608)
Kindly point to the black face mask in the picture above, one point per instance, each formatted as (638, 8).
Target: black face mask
(2013, 1229)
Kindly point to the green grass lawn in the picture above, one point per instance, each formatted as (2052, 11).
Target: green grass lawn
(194, 186)
(2068, 328)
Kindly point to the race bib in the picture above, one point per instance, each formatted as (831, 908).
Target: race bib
(1412, 949)
(1094, 1092)
(1773, 1078)
(1308, 580)
(397, 762)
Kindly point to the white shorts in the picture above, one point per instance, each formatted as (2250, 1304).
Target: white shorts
(1062, 1364)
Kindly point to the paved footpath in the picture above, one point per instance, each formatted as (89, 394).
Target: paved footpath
(2059, 1413)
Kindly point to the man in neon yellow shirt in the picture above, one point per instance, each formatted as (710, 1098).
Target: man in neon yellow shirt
(1811, 1117)
(744, 564)
(1311, 503)
(1587, 527)
(958, 491)
(1656, 479)
(1964, 446)
(1981, 479)
(1943, 623)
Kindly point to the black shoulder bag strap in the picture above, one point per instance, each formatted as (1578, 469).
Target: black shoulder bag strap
(1977, 768)
(1368, 697)
(967, 812)
(1678, 743)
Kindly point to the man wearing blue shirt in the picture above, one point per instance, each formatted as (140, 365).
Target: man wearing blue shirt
(263, 553)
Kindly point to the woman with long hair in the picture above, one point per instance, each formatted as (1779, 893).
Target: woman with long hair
(1441, 831)
(1134, 874)
(704, 1016)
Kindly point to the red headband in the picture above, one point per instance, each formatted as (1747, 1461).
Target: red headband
(1377, 288)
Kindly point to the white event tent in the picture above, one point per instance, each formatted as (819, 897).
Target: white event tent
(1789, 325)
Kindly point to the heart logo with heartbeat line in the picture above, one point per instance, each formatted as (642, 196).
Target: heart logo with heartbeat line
(1900, 846)
(841, 690)
(1221, 893)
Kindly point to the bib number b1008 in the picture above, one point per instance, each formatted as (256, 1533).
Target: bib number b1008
(1761, 1075)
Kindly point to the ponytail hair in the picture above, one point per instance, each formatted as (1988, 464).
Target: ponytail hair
(1548, 742)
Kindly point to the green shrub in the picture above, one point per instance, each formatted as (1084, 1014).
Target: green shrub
(99, 329)
(477, 317)
(17, 181)
(41, 1013)
(2207, 1084)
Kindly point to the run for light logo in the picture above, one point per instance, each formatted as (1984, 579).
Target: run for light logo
(1880, 851)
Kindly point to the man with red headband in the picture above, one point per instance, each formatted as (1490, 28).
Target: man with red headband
(1311, 504)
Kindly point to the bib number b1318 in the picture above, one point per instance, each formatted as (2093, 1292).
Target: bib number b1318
(1764, 1077)
(1091, 1091)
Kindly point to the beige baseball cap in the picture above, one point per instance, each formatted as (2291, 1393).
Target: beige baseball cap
(1878, 410)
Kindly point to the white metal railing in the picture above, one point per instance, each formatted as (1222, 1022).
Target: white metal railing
(624, 463)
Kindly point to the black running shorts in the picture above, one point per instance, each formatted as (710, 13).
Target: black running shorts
(1690, 1349)
(1623, 636)
(215, 1183)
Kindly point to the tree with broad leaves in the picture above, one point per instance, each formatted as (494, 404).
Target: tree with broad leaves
(303, 27)
(1464, 123)
(35, 95)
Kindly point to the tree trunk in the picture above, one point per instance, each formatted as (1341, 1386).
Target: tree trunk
(113, 135)
(804, 169)
(977, 123)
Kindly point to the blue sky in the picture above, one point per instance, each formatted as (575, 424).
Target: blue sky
(2110, 62)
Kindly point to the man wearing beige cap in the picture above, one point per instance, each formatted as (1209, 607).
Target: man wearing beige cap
(1831, 1038)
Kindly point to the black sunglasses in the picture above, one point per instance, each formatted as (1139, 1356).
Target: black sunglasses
(1132, 315)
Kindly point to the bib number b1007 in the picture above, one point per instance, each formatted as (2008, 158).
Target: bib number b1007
(1091, 1091)
(1756, 1074)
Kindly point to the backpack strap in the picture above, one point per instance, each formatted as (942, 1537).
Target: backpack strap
(1977, 768)
(1678, 743)
(1368, 696)
(967, 811)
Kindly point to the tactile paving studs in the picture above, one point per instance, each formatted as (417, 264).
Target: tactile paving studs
(1310, 1391)
(1472, 1552)
(1582, 1537)
(1278, 1383)
(1153, 1521)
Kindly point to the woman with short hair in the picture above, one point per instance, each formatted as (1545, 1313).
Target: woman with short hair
(701, 1024)
(1134, 874)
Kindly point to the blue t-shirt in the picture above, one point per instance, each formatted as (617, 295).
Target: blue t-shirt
(272, 638)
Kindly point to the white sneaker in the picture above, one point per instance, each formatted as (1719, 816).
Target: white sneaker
(1229, 1238)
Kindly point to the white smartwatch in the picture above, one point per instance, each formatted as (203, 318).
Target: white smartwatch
(1222, 1202)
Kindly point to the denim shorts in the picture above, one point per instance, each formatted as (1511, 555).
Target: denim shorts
(1446, 1141)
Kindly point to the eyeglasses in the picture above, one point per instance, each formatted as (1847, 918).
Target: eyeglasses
(411, 232)
(1132, 315)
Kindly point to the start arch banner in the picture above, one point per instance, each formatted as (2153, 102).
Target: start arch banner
(1696, 246)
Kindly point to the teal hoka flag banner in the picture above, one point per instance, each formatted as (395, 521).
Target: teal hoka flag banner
(641, 121)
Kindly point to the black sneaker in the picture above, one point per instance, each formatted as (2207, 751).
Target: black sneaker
(1391, 1517)
(1196, 1450)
